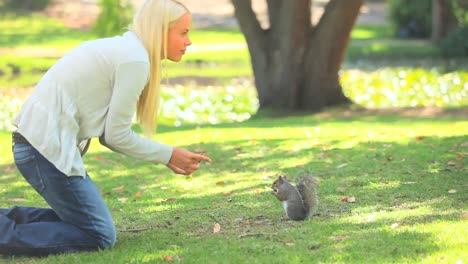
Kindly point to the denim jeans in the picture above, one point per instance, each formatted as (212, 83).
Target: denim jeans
(78, 220)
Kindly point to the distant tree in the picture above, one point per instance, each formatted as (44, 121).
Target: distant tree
(295, 63)
(29, 5)
(114, 17)
(443, 18)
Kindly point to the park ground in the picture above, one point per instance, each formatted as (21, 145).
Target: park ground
(392, 166)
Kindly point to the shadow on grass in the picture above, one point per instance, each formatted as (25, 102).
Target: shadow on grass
(406, 184)
(346, 114)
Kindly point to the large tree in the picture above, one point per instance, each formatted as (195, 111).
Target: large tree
(296, 63)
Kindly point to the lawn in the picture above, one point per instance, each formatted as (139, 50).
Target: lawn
(404, 169)
(407, 173)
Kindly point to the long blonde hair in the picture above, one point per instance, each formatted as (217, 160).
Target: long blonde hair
(151, 24)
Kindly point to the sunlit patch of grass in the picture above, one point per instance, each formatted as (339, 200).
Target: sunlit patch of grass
(371, 32)
(37, 30)
(401, 212)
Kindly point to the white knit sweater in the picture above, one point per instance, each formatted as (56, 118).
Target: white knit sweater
(90, 92)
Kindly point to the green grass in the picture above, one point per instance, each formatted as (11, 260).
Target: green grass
(38, 31)
(408, 175)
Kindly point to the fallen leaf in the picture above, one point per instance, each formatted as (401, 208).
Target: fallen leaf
(452, 191)
(164, 187)
(340, 238)
(9, 169)
(226, 194)
(341, 189)
(289, 244)
(452, 163)
(257, 191)
(394, 225)
(324, 155)
(314, 248)
(371, 218)
(347, 199)
(17, 200)
(327, 147)
(342, 165)
(200, 151)
(238, 149)
(169, 258)
(137, 195)
(168, 200)
(100, 158)
(119, 188)
(216, 228)
(420, 137)
(220, 183)
(122, 200)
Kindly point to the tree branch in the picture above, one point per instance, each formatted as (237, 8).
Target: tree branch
(249, 24)
(335, 27)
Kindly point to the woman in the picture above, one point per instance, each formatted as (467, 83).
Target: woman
(92, 92)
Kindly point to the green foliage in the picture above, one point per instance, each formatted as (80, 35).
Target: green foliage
(455, 44)
(36, 30)
(460, 10)
(9, 108)
(210, 105)
(411, 18)
(29, 5)
(114, 18)
(405, 87)
(22, 72)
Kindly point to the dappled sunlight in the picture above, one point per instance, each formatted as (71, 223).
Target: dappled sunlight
(381, 160)
(405, 87)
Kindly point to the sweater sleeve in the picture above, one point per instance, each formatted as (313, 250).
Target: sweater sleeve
(130, 79)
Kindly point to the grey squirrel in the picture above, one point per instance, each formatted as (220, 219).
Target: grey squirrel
(298, 201)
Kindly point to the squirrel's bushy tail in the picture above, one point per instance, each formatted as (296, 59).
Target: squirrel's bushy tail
(307, 186)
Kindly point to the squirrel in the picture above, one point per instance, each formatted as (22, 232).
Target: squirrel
(298, 201)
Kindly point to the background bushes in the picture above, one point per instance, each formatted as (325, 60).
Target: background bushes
(30, 5)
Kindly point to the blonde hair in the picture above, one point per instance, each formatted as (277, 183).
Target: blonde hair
(151, 24)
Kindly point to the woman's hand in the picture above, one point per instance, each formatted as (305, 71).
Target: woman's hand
(185, 162)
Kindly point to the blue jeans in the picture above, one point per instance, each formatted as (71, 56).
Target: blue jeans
(78, 221)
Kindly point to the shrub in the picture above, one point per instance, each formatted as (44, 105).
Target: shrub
(455, 44)
(114, 17)
(32, 5)
(411, 18)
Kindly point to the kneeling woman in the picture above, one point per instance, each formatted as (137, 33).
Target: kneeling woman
(92, 92)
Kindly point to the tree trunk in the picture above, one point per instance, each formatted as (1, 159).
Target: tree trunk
(440, 12)
(296, 65)
(443, 17)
